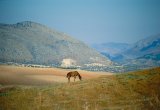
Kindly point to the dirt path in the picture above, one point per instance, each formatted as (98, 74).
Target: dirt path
(39, 76)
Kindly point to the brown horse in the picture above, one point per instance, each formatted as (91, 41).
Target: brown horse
(73, 74)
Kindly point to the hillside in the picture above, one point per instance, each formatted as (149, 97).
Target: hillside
(143, 54)
(149, 45)
(129, 91)
(147, 48)
(111, 50)
(33, 43)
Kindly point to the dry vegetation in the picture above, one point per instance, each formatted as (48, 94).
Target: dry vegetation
(128, 91)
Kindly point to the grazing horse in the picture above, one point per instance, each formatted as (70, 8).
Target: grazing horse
(73, 74)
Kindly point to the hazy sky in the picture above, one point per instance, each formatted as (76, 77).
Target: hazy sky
(91, 21)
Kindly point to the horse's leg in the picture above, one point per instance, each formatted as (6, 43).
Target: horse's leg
(68, 79)
(74, 78)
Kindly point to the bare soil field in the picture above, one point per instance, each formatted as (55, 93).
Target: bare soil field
(13, 75)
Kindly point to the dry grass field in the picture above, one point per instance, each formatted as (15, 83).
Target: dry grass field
(13, 75)
(47, 89)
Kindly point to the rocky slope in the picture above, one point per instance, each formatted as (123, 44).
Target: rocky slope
(33, 43)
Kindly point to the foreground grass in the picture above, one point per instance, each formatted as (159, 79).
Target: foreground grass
(129, 91)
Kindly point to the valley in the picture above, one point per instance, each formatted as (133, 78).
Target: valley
(111, 46)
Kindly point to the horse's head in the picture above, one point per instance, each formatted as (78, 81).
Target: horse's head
(80, 77)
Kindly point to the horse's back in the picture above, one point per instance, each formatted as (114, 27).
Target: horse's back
(72, 73)
(76, 72)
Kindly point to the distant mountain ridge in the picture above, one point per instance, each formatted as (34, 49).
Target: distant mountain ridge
(111, 47)
(33, 43)
(144, 53)
(111, 50)
(149, 45)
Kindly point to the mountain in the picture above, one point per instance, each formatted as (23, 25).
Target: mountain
(33, 43)
(111, 50)
(147, 46)
(145, 53)
(111, 47)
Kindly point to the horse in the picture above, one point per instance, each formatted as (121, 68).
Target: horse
(73, 74)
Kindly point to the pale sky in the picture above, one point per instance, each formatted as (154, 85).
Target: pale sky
(91, 21)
